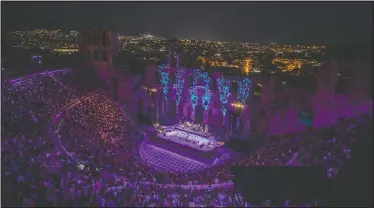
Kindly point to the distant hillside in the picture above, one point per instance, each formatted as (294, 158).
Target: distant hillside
(361, 52)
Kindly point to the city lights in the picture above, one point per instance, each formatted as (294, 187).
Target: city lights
(65, 50)
(247, 68)
(45, 39)
(150, 47)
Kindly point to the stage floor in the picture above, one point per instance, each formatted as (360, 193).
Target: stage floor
(165, 160)
(167, 156)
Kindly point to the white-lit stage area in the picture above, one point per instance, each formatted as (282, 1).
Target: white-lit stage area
(187, 135)
(182, 148)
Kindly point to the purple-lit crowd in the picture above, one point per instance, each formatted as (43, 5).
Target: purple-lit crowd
(91, 157)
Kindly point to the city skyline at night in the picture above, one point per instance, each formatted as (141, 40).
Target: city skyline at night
(343, 23)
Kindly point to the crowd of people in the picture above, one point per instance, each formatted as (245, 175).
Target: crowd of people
(104, 167)
(97, 125)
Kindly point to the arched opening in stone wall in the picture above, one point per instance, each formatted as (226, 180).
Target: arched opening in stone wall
(87, 38)
(199, 114)
(213, 86)
(89, 56)
(234, 87)
(172, 79)
(95, 41)
(104, 38)
(105, 58)
(96, 55)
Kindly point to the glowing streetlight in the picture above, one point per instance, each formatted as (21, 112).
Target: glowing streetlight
(237, 105)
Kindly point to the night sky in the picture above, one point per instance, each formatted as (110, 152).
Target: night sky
(334, 23)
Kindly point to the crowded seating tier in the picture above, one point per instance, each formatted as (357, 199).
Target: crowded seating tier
(111, 173)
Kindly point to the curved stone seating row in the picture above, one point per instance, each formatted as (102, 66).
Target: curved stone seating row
(227, 185)
(168, 161)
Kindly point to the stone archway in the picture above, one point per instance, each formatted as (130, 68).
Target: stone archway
(199, 114)
(205, 79)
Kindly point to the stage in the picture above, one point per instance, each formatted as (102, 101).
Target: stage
(188, 136)
(182, 148)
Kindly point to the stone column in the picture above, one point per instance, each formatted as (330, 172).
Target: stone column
(216, 115)
(193, 114)
(223, 118)
(247, 121)
(237, 122)
(166, 105)
(229, 122)
(153, 104)
(185, 110)
(247, 127)
(206, 116)
(242, 124)
(163, 106)
(156, 103)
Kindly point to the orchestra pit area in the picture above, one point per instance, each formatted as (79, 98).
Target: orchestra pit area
(67, 142)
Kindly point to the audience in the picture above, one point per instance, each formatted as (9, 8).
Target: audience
(100, 164)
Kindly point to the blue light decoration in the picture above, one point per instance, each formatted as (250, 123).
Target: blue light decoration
(223, 87)
(206, 97)
(164, 82)
(162, 66)
(164, 79)
(243, 89)
(179, 84)
(193, 98)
